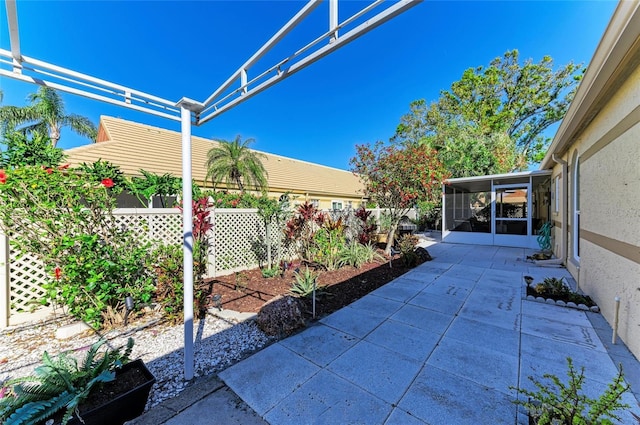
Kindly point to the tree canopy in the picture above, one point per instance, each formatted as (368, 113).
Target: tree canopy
(395, 178)
(493, 119)
(234, 163)
(32, 150)
(46, 114)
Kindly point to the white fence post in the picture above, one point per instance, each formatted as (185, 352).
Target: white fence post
(5, 281)
(211, 252)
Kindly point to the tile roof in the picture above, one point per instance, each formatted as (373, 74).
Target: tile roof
(134, 146)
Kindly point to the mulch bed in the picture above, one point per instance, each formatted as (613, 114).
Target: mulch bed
(248, 291)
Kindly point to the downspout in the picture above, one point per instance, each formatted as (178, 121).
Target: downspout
(565, 206)
(562, 259)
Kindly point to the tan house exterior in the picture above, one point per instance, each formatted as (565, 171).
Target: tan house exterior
(134, 146)
(595, 190)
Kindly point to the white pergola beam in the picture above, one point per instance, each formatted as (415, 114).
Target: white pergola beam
(14, 35)
(124, 103)
(87, 86)
(323, 51)
(275, 39)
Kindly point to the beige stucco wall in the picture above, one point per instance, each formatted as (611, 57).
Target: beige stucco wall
(609, 264)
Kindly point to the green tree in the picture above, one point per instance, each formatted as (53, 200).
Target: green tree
(151, 184)
(23, 151)
(395, 178)
(499, 111)
(235, 164)
(45, 114)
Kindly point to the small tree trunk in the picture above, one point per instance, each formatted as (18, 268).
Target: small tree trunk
(390, 237)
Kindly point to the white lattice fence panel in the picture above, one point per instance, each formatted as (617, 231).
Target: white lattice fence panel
(25, 286)
(153, 225)
(240, 240)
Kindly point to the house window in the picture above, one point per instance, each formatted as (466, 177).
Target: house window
(576, 207)
(556, 195)
(336, 205)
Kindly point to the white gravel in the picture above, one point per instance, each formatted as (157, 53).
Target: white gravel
(218, 344)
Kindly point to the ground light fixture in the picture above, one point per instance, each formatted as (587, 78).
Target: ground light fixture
(129, 305)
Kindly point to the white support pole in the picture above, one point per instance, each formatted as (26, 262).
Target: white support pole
(187, 242)
(186, 107)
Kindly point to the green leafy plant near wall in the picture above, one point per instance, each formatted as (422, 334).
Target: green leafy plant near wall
(559, 289)
(565, 404)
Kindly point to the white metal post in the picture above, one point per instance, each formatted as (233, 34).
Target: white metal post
(186, 107)
(187, 242)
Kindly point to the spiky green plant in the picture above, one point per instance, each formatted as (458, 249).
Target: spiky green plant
(357, 254)
(305, 282)
(59, 384)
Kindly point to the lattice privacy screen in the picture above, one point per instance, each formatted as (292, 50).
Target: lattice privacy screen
(236, 242)
(25, 284)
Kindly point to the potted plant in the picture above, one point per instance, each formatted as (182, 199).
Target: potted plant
(384, 226)
(105, 388)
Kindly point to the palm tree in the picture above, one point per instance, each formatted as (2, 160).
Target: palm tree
(45, 114)
(234, 163)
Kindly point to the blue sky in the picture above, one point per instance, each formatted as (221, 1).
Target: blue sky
(355, 95)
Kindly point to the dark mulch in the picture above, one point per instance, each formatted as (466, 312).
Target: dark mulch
(248, 291)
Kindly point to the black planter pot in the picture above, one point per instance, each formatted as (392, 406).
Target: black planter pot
(123, 407)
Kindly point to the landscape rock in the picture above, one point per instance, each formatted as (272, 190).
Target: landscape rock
(72, 330)
(423, 254)
(281, 316)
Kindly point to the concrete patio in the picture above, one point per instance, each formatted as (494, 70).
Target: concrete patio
(442, 344)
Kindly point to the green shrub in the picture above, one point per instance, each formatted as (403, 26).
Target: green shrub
(564, 404)
(94, 274)
(356, 254)
(269, 272)
(407, 247)
(556, 288)
(169, 267)
(65, 219)
(59, 384)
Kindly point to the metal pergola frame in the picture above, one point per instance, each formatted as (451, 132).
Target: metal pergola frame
(13, 64)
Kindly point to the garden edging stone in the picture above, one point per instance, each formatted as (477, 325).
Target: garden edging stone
(560, 303)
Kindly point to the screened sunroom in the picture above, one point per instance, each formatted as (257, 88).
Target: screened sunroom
(501, 209)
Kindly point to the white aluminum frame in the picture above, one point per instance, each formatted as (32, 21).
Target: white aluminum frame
(16, 66)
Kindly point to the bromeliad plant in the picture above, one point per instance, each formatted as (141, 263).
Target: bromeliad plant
(60, 384)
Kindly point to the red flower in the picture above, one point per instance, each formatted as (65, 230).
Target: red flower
(107, 183)
(3, 177)
(48, 170)
(64, 167)
(57, 272)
